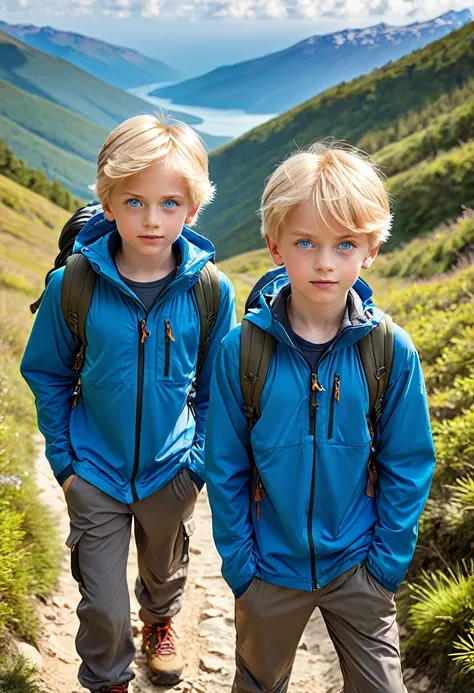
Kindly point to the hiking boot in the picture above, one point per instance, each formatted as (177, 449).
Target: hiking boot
(118, 688)
(164, 661)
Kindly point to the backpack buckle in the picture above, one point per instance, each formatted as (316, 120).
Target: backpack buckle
(249, 411)
(378, 409)
(380, 372)
(251, 378)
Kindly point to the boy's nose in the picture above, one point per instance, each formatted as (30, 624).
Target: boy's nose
(324, 262)
(152, 221)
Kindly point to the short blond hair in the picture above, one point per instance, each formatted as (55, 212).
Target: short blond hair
(342, 183)
(143, 140)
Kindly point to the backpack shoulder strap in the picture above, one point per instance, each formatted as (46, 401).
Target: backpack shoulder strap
(256, 349)
(376, 351)
(207, 291)
(76, 295)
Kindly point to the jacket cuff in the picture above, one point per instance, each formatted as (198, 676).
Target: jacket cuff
(64, 474)
(389, 585)
(242, 589)
(197, 479)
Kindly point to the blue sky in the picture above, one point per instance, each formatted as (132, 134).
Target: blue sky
(207, 33)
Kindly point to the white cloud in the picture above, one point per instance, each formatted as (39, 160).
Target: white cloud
(350, 10)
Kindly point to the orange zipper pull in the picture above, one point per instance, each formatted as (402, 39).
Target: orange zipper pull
(315, 386)
(144, 332)
(337, 388)
(169, 333)
(259, 496)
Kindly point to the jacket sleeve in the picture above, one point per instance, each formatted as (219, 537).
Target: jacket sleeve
(47, 367)
(224, 323)
(406, 462)
(228, 469)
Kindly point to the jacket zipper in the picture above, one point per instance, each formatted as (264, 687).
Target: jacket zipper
(143, 333)
(336, 396)
(168, 339)
(315, 387)
(259, 494)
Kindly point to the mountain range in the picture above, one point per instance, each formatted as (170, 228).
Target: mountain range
(276, 82)
(123, 67)
(416, 118)
(57, 116)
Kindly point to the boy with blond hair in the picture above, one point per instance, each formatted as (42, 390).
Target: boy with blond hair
(128, 443)
(315, 493)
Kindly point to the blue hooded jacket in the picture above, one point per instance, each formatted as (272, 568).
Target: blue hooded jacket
(316, 520)
(132, 429)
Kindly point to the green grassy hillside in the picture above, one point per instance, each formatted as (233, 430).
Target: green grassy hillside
(34, 179)
(75, 173)
(58, 81)
(57, 117)
(388, 105)
(54, 124)
(29, 228)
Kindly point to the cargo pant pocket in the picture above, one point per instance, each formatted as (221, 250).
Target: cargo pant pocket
(73, 543)
(189, 527)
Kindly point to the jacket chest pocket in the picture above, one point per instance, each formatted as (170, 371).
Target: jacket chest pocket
(346, 421)
(176, 348)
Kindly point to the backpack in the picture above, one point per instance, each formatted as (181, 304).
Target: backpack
(78, 286)
(256, 349)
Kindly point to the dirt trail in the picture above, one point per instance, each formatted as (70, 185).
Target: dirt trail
(205, 624)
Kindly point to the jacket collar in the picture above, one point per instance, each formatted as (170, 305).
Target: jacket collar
(361, 315)
(99, 238)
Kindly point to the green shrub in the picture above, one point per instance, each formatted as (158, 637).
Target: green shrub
(430, 255)
(464, 655)
(17, 675)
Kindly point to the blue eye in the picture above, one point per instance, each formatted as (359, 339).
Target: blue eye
(169, 204)
(305, 244)
(346, 245)
(134, 203)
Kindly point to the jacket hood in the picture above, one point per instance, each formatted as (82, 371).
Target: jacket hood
(360, 318)
(98, 240)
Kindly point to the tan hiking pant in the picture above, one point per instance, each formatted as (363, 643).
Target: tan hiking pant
(99, 539)
(361, 620)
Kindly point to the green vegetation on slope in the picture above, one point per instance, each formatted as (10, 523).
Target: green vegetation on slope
(34, 180)
(440, 612)
(432, 192)
(429, 255)
(55, 124)
(29, 228)
(64, 84)
(441, 134)
(370, 104)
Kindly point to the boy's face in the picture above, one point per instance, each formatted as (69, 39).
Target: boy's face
(150, 209)
(323, 259)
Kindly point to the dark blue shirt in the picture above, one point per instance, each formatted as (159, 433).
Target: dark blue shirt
(311, 351)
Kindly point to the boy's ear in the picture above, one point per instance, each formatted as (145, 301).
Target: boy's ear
(371, 256)
(274, 252)
(108, 212)
(192, 214)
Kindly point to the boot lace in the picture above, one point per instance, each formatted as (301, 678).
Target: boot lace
(165, 640)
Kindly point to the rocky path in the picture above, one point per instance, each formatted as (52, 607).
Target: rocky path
(205, 624)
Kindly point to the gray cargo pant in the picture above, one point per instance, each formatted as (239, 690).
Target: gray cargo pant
(99, 539)
(361, 620)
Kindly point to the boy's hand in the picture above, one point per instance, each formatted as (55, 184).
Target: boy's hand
(67, 483)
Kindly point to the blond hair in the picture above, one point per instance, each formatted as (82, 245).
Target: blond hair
(342, 183)
(143, 140)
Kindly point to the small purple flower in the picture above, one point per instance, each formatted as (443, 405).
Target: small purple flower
(10, 480)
